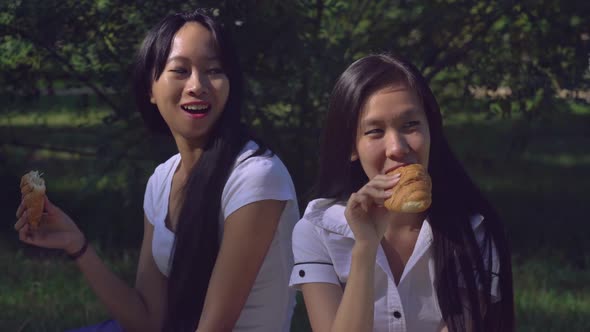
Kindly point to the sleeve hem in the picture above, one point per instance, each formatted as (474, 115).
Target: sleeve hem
(313, 272)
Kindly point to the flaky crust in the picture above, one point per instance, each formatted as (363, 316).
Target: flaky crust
(412, 194)
(32, 188)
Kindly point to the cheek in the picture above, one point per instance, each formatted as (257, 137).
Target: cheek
(372, 155)
(222, 88)
(422, 145)
(166, 90)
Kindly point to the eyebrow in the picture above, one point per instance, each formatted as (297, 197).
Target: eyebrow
(409, 112)
(183, 58)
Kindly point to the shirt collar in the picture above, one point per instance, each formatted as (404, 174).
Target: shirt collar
(329, 215)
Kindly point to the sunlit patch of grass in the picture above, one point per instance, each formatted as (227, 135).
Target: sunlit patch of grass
(551, 296)
(541, 194)
(55, 118)
(560, 159)
(50, 294)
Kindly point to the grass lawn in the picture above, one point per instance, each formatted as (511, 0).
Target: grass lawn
(540, 191)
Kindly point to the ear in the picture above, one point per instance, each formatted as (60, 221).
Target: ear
(152, 99)
(354, 155)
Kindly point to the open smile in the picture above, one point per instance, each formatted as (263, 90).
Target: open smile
(197, 109)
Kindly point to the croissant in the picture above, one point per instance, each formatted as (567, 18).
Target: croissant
(32, 188)
(413, 191)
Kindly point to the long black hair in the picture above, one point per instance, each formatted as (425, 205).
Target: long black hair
(197, 242)
(459, 259)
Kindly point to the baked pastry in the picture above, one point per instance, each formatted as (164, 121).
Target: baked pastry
(32, 188)
(413, 191)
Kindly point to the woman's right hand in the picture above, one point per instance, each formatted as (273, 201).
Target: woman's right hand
(56, 229)
(365, 212)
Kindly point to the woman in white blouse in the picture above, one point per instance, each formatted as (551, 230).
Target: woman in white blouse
(216, 251)
(363, 268)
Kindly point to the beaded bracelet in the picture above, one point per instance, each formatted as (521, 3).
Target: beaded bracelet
(80, 252)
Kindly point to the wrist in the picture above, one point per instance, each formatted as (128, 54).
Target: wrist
(76, 244)
(365, 248)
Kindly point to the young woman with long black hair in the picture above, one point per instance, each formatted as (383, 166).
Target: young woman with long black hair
(363, 268)
(216, 252)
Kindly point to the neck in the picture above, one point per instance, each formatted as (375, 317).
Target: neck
(190, 153)
(404, 222)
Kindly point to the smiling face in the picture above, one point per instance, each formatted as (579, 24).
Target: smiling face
(393, 131)
(193, 89)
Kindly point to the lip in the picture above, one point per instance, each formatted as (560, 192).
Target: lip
(198, 102)
(196, 115)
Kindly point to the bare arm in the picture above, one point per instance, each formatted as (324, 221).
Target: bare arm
(248, 233)
(136, 309)
(355, 310)
(330, 309)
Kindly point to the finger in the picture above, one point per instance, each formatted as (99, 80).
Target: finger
(20, 223)
(383, 181)
(25, 234)
(386, 177)
(365, 203)
(20, 209)
(378, 195)
(361, 201)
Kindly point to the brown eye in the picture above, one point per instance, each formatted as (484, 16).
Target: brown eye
(411, 124)
(179, 70)
(215, 71)
(374, 132)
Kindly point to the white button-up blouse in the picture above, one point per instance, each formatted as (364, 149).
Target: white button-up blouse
(322, 247)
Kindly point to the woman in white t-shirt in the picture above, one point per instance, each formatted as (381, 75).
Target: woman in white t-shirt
(216, 252)
(363, 268)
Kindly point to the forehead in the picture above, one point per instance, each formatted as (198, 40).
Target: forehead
(193, 41)
(392, 101)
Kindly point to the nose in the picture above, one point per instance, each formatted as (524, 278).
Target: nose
(197, 84)
(397, 146)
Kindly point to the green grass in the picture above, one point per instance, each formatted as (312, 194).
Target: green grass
(49, 294)
(538, 184)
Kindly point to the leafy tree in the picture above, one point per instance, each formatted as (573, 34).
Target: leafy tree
(292, 52)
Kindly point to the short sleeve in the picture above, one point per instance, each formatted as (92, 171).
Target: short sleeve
(312, 261)
(148, 200)
(256, 179)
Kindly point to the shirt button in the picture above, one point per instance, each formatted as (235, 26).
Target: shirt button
(301, 273)
(397, 314)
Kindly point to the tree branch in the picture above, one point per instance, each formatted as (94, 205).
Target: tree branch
(453, 56)
(80, 77)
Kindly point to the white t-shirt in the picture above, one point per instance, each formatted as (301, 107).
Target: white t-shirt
(270, 304)
(322, 247)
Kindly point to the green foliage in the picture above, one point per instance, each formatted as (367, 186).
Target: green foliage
(292, 52)
(97, 155)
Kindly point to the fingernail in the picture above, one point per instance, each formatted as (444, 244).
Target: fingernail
(388, 192)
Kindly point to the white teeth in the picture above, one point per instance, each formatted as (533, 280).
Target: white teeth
(196, 107)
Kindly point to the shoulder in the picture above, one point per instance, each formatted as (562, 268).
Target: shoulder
(162, 171)
(255, 173)
(266, 164)
(256, 178)
(321, 216)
